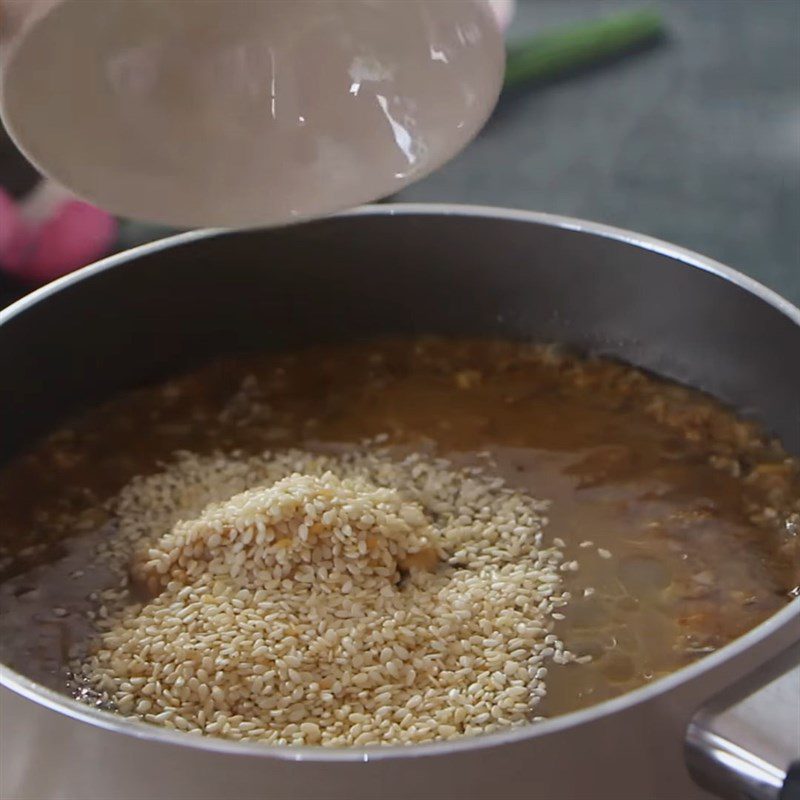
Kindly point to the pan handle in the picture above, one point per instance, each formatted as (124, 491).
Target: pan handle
(745, 743)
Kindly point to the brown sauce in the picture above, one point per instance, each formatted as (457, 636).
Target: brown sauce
(692, 515)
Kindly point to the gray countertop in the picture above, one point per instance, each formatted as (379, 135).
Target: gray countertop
(696, 141)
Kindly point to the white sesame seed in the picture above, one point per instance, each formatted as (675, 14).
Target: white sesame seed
(278, 613)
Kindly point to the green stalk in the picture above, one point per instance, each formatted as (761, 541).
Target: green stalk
(550, 54)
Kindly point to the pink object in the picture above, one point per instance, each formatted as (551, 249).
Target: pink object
(50, 233)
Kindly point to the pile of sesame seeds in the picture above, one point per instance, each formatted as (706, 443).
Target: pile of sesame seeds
(346, 599)
(328, 533)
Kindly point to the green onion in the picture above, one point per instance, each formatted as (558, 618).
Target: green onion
(550, 54)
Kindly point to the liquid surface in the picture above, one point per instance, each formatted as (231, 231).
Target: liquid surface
(683, 519)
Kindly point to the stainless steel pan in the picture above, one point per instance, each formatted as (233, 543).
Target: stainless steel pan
(413, 269)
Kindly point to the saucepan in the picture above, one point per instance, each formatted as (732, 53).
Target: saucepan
(728, 723)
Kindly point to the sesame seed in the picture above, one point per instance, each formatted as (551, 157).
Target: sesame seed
(355, 599)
